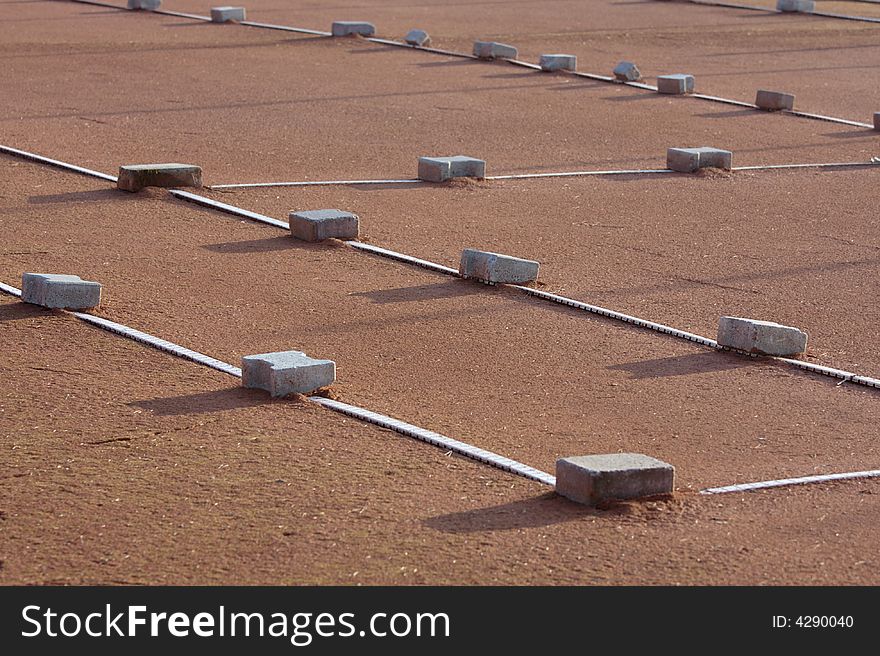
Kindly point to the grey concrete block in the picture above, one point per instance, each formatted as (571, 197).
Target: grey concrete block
(144, 4)
(676, 84)
(286, 372)
(134, 177)
(226, 14)
(803, 6)
(351, 28)
(54, 290)
(440, 169)
(688, 160)
(494, 50)
(774, 100)
(558, 62)
(877, 120)
(418, 38)
(496, 268)
(762, 337)
(593, 479)
(318, 225)
(627, 72)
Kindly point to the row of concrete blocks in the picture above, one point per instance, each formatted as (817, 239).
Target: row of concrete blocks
(134, 177)
(71, 292)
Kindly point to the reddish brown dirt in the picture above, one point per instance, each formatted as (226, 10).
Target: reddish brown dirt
(149, 469)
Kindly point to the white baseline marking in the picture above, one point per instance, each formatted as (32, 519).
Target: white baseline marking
(315, 183)
(56, 163)
(228, 209)
(468, 450)
(783, 482)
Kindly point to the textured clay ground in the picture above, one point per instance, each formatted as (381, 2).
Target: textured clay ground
(124, 464)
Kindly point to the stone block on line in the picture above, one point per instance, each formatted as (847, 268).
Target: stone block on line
(440, 169)
(761, 337)
(352, 28)
(774, 100)
(226, 14)
(286, 372)
(494, 50)
(804, 6)
(418, 38)
(318, 225)
(497, 268)
(688, 160)
(134, 177)
(877, 120)
(54, 290)
(593, 479)
(558, 62)
(675, 84)
(144, 4)
(627, 72)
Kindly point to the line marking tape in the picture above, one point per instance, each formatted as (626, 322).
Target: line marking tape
(54, 162)
(784, 482)
(314, 183)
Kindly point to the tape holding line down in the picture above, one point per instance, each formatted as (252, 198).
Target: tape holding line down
(56, 163)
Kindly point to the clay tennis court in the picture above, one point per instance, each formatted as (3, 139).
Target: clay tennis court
(124, 464)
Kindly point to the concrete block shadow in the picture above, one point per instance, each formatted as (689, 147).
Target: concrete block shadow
(205, 402)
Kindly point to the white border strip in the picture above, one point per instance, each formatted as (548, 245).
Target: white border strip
(228, 209)
(158, 343)
(317, 183)
(784, 482)
(619, 316)
(9, 289)
(284, 28)
(472, 452)
(56, 163)
(573, 174)
(527, 176)
(400, 257)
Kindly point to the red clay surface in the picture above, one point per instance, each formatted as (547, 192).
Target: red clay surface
(829, 64)
(149, 469)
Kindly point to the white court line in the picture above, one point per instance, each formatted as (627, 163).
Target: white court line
(314, 183)
(527, 176)
(468, 450)
(396, 425)
(229, 209)
(54, 162)
(573, 174)
(284, 28)
(784, 482)
(400, 257)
